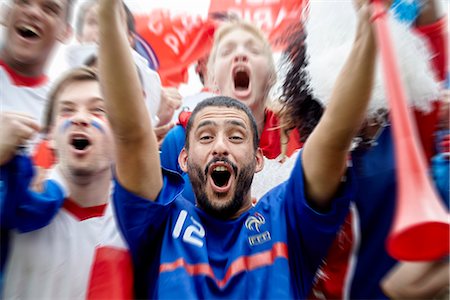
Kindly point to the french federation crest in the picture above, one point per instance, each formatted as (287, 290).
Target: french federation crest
(254, 222)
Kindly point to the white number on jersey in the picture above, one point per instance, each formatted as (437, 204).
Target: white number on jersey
(193, 234)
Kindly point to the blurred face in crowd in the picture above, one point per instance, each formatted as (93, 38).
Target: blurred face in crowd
(221, 160)
(241, 65)
(33, 27)
(89, 31)
(87, 24)
(81, 133)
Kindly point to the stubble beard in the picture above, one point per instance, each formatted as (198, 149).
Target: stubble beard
(225, 209)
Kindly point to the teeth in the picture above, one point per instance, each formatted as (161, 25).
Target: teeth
(29, 28)
(220, 169)
(239, 69)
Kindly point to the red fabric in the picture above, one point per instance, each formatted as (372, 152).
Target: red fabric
(444, 144)
(270, 141)
(435, 35)
(426, 127)
(84, 213)
(112, 274)
(330, 278)
(22, 80)
(44, 156)
(183, 118)
(274, 17)
(177, 40)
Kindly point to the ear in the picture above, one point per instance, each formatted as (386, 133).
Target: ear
(259, 160)
(182, 160)
(65, 34)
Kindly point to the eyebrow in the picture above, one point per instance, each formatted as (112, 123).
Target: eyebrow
(72, 102)
(56, 5)
(206, 123)
(66, 102)
(237, 123)
(232, 122)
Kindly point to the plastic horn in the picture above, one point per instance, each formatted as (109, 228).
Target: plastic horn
(421, 226)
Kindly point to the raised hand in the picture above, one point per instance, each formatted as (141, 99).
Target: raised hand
(171, 100)
(15, 130)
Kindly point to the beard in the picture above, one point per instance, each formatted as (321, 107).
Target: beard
(227, 208)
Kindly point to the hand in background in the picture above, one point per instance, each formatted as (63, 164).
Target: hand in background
(15, 130)
(171, 100)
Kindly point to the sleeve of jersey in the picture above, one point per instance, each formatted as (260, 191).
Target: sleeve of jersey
(171, 147)
(142, 220)
(310, 232)
(21, 208)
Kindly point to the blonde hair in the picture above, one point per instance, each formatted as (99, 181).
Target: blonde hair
(228, 27)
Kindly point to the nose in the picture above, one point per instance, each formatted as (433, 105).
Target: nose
(240, 57)
(220, 147)
(81, 119)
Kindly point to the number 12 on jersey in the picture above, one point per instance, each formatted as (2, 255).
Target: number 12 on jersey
(193, 233)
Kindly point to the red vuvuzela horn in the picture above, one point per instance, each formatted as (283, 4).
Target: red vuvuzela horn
(421, 224)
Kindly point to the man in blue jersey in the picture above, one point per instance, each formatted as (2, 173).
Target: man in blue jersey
(223, 246)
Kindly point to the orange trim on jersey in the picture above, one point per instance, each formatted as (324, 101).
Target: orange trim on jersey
(241, 264)
(84, 213)
(21, 80)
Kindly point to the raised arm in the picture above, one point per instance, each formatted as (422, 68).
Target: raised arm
(327, 148)
(137, 155)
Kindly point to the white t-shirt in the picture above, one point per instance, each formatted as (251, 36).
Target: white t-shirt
(23, 96)
(81, 254)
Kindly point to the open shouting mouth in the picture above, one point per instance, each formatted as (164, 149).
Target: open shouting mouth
(80, 143)
(241, 81)
(220, 176)
(28, 32)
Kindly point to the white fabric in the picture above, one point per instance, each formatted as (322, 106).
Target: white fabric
(330, 33)
(272, 175)
(55, 262)
(22, 99)
(190, 102)
(79, 55)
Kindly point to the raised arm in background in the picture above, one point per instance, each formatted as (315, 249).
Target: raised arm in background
(137, 155)
(326, 150)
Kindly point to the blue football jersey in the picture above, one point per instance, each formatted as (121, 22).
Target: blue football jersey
(271, 251)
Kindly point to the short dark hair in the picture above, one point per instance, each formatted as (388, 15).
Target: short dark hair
(223, 101)
(74, 75)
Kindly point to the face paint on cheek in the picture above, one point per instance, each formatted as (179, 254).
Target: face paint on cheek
(64, 126)
(97, 125)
